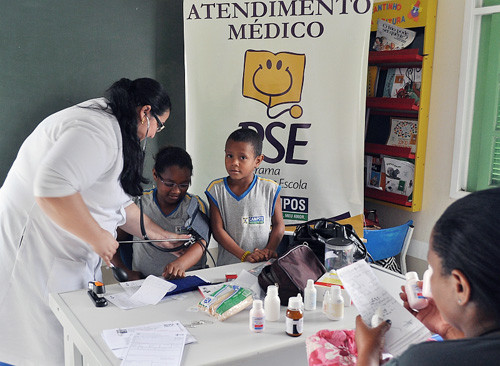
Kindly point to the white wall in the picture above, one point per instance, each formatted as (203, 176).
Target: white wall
(448, 45)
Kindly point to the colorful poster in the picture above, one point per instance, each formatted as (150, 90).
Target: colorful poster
(402, 13)
(294, 71)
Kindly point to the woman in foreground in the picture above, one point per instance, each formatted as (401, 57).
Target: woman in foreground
(464, 255)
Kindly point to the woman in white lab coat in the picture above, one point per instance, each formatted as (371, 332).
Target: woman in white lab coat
(60, 205)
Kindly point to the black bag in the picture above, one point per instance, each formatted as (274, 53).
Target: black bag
(316, 232)
(291, 272)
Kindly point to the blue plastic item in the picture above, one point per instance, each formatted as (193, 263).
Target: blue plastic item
(385, 243)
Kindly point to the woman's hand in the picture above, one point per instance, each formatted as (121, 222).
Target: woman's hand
(153, 231)
(105, 246)
(173, 243)
(369, 342)
(431, 317)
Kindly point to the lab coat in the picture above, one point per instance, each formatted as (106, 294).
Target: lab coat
(74, 150)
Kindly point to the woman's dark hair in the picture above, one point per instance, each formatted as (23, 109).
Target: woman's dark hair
(172, 156)
(124, 96)
(466, 237)
(247, 135)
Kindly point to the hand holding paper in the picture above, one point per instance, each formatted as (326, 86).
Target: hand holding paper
(368, 295)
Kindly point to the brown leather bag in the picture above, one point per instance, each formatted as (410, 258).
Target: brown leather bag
(291, 272)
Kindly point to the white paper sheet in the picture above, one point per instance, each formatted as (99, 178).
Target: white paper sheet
(368, 294)
(247, 280)
(141, 293)
(155, 348)
(118, 339)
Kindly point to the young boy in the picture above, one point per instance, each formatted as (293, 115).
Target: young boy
(245, 210)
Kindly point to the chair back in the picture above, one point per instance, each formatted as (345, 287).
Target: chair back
(385, 243)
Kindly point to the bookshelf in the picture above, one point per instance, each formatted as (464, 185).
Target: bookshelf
(380, 109)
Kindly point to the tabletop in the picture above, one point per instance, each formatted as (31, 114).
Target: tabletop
(218, 343)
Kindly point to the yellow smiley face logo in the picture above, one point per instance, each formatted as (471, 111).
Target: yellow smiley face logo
(274, 79)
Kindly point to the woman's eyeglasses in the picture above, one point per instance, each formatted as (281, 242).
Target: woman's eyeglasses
(161, 125)
(182, 186)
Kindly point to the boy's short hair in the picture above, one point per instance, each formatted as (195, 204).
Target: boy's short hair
(172, 156)
(247, 135)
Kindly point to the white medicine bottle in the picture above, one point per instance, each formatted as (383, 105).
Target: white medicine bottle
(257, 317)
(426, 287)
(327, 299)
(416, 299)
(310, 296)
(336, 306)
(272, 304)
(299, 298)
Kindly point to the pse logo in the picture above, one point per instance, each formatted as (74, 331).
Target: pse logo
(274, 79)
(295, 208)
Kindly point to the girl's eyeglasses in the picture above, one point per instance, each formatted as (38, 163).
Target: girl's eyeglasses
(182, 186)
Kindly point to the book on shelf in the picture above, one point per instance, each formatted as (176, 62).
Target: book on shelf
(390, 37)
(374, 174)
(403, 133)
(371, 84)
(399, 175)
(403, 82)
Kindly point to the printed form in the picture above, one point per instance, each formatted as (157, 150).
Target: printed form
(123, 341)
(368, 295)
(155, 348)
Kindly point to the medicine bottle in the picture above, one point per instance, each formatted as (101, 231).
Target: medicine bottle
(426, 287)
(294, 318)
(272, 304)
(299, 296)
(327, 299)
(257, 317)
(310, 296)
(335, 308)
(416, 299)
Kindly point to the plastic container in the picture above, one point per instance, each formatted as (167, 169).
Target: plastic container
(299, 296)
(416, 299)
(310, 296)
(294, 318)
(339, 252)
(257, 317)
(272, 304)
(334, 304)
(426, 287)
(327, 299)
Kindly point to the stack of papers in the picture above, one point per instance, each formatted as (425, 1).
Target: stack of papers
(141, 293)
(157, 343)
(152, 290)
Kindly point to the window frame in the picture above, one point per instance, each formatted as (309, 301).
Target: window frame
(473, 13)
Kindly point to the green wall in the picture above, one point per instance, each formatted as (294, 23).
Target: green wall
(58, 53)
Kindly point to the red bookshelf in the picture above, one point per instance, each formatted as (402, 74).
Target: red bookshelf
(400, 152)
(397, 104)
(398, 199)
(405, 56)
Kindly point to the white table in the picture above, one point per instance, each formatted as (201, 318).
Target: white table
(219, 343)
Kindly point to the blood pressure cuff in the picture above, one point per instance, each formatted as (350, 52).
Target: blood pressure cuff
(198, 223)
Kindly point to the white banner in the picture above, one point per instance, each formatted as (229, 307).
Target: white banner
(295, 71)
